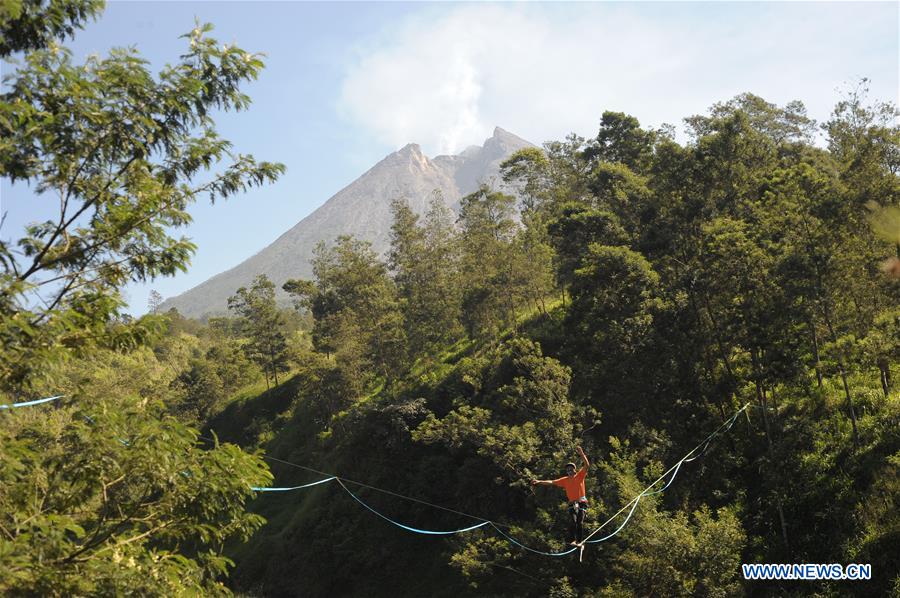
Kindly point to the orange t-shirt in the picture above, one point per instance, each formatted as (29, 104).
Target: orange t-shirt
(574, 486)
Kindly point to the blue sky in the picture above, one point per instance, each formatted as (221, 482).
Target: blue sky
(347, 83)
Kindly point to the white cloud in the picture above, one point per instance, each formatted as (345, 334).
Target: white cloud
(444, 77)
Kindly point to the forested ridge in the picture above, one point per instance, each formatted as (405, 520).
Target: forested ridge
(634, 293)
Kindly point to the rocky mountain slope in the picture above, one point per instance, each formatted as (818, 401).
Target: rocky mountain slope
(362, 209)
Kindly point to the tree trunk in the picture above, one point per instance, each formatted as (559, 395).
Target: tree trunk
(274, 366)
(784, 534)
(843, 372)
(850, 407)
(826, 311)
(718, 337)
(815, 340)
(708, 361)
(764, 403)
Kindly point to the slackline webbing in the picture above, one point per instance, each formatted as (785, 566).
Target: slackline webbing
(633, 503)
(269, 489)
(687, 458)
(406, 527)
(30, 403)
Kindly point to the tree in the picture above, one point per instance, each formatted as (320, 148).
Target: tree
(106, 494)
(656, 554)
(26, 26)
(442, 293)
(621, 140)
(423, 262)
(610, 324)
(154, 300)
(231, 365)
(203, 390)
(532, 261)
(354, 304)
(490, 287)
(781, 125)
(262, 324)
(529, 171)
(616, 188)
(517, 417)
(111, 500)
(124, 153)
(575, 229)
(405, 263)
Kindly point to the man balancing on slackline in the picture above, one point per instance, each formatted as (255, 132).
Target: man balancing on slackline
(574, 484)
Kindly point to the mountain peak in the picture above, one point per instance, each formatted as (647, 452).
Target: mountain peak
(503, 143)
(411, 148)
(409, 154)
(505, 138)
(362, 209)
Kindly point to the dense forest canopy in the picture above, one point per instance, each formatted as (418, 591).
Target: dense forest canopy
(632, 295)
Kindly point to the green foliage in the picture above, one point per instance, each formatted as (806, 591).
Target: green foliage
(31, 25)
(513, 411)
(106, 493)
(203, 389)
(610, 322)
(116, 497)
(529, 170)
(123, 150)
(574, 230)
(493, 280)
(660, 553)
(230, 364)
(357, 317)
(783, 125)
(622, 140)
(262, 323)
(424, 263)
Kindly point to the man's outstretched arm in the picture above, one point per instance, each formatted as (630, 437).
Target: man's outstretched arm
(541, 482)
(584, 458)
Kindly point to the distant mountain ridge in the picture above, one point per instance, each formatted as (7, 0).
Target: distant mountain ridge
(361, 209)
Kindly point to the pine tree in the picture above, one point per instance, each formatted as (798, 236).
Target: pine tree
(262, 324)
(490, 292)
(422, 260)
(154, 300)
(353, 297)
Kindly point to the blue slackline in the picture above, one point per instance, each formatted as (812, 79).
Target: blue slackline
(30, 403)
(669, 483)
(541, 552)
(256, 489)
(704, 444)
(637, 499)
(674, 470)
(406, 527)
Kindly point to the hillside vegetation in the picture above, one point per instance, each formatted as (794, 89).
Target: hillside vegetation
(634, 294)
(648, 291)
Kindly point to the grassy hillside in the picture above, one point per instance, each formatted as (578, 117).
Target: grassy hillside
(319, 541)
